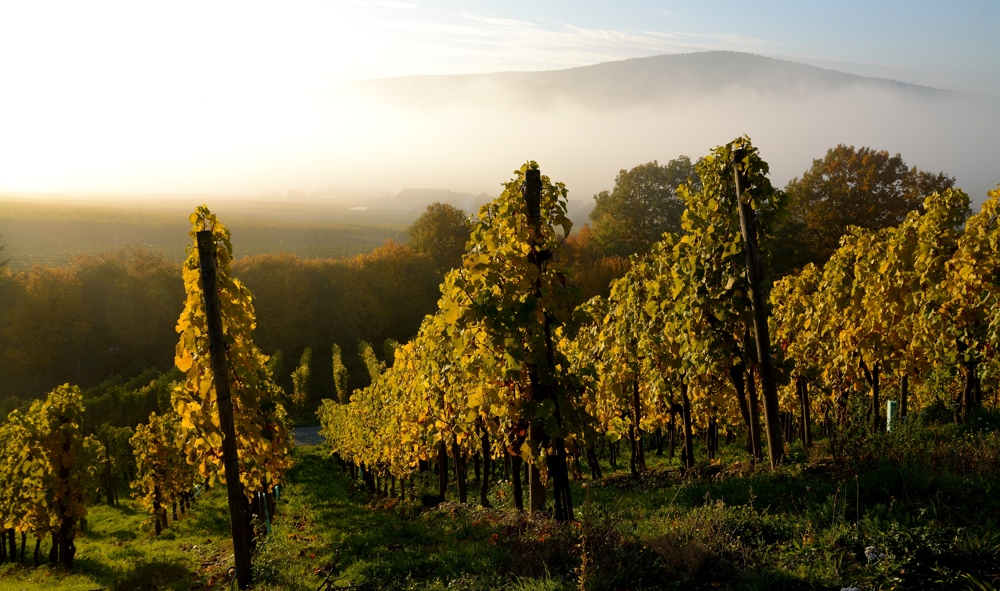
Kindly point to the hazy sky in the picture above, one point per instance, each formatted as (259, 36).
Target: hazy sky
(209, 97)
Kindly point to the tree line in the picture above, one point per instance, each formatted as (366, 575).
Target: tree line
(115, 314)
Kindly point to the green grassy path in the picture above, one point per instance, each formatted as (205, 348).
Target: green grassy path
(391, 545)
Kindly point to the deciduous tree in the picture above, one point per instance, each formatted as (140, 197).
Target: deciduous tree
(441, 233)
(641, 207)
(851, 186)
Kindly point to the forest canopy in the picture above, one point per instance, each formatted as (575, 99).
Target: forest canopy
(114, 313)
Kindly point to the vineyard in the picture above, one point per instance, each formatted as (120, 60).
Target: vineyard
(703, 425)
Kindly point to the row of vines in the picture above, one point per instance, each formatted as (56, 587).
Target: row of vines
(513, 365)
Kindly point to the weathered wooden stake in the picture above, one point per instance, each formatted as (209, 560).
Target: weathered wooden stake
(803, 387)
(484, 484)
(532, 198)
(637, 416)
(904, 389)
(442, 470)
(238, 517)
(461, 478)
(515, 480)
(755, 275)
(688, 453)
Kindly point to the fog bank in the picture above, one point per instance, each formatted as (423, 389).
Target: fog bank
(468, 133)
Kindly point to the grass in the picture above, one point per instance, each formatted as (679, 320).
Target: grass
(327, 516)
(807, 526)
(727, 525)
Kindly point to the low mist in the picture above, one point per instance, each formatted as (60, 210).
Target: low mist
(468, 133)
(473, 141)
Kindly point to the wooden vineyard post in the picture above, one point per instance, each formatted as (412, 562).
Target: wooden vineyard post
(220, 370)
(539, 376)
(533, 198)
(803, 388)
(755, 272)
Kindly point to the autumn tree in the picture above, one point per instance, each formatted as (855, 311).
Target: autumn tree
(581, 247)
(641, 207)
(850, 187)
(592, 270)
(440, 233)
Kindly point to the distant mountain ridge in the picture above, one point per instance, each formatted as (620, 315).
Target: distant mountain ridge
(633, 81)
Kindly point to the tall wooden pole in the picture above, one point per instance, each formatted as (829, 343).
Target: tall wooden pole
(533, 201)
(220, 370)
(755, 275)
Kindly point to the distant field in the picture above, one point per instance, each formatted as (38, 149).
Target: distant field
(53, 234)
